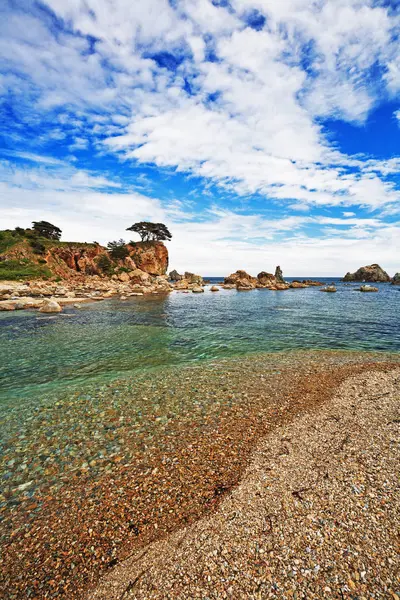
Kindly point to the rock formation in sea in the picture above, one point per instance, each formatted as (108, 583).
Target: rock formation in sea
(396, 279)
(372, 273)
(241, 280)
(175, 276)
(279, 275)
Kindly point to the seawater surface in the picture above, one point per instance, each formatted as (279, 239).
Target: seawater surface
(41, 354)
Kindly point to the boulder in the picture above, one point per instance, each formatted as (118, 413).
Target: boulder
(50, 306)
(197, 290)
(396, 279)
(139, 277)
(193, 278)
(124, 277)
(329, 288)
(175, 276)
(370, 273)
(214, 288)
(368, 288)
(6, 305)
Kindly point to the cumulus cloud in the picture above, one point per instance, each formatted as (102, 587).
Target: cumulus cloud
(236, 93)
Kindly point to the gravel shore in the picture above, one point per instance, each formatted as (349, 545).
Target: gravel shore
(316, 514)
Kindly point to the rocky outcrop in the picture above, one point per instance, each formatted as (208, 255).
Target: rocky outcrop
(396, 279)
(241, 280)
(279, 275)
(265, 279)
(175, 276)
(192, 278)
(151, 257)
(372, 273)
(368, 288)
(67, 261)
(50, 306)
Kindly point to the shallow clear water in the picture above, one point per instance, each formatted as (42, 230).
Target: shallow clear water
(40, 354)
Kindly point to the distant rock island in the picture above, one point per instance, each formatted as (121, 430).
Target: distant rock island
(372, 273)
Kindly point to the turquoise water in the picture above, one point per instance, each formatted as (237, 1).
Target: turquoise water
(40, 354)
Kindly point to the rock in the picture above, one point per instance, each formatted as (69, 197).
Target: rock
(214, 288)
(197, 290)
(368, 288)
(241, 279)
(228, 286)
(396, 279)
(329, 288)
(311, 283)
(265, 279)
(193, 278)
(371, 273)
(174, 276)
(123, 298)
(298, 284)
(139, 277)
(124, 277)
(279, 275)
(151, 257)
(181, 285)
(6, 305)
(50, 306)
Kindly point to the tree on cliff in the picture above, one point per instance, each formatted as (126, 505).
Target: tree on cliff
(46, 230)
(151, 232)
(118, 250)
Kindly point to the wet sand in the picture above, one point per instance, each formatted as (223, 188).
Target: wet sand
(161, 451)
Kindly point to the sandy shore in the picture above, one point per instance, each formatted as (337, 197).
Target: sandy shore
(316, 515)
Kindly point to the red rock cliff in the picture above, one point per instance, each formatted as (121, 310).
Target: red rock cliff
(151, 257)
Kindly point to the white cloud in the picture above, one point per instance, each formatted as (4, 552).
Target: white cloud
(251, 121)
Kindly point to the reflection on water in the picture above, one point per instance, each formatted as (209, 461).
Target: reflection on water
(107, 339)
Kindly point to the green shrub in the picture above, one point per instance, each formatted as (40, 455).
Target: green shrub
(37, 247)
(118, 250)
(22, 269)
(105, 265)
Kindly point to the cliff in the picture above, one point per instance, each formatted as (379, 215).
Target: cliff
(369, 273)
(24, 258)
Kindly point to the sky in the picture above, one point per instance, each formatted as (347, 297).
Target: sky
(261, 132)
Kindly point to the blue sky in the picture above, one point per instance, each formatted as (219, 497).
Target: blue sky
(261, 132)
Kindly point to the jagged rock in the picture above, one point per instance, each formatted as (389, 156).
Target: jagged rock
(124, 277)
(396, 279)
(175, 276)
(279, 275)
(241, 280)
(139, 277)
(371, 273)
(265, 279)
(50, 306)
(193, 278)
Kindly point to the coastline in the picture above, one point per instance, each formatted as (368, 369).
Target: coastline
(315, 515)
(199, 427)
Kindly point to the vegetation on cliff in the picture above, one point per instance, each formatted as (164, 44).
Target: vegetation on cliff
(38, 253)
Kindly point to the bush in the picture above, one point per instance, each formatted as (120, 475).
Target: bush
(105, 265)
(118, 250)
(37, 247)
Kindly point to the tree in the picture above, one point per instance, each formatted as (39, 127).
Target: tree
(151, 232)
(46, 230)
(118, 250)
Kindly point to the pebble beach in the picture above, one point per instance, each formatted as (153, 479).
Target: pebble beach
(95, 478)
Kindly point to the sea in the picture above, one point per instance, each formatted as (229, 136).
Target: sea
(42, 354)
